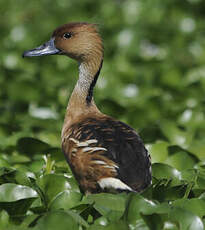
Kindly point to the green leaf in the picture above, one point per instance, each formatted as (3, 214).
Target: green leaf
(166, 193)
(152, 133)
(101, 221)
(78, 218)
(65, 200)
(8, 175)
(156, 215)
(31, 146)
(13, 192)
(139, 224)
(53, 184)
(158, 151)
(119, 225)
(164, 171)
(138, 205)
(16, 199)
(4, 219)
(186, 219)
(56, 154)
(177, 157)
(194, 205)
(4, 163)
(111, 206)
(28, 220)
(57, 220)
(201, 181)
(36, 165)
(175, 135)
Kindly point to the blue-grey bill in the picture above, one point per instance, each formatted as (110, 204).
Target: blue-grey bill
(47, 48)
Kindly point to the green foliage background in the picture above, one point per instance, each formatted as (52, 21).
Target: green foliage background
(153, 78)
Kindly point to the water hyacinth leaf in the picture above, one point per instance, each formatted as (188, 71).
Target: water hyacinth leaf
(23, 178)
(53, 184)
(31, 146)
(170, 225)
(18, 158)
(109, 205)
(4, 163)
(158, 151)
(103, 221)
(177, 160)
(12, 192)
(200, 181)
(28, 220)
(186, 219)
(164, 171)
(16, 199)
(56, 154)
(165, 192)
(156, 215)
(77, 218)
(119, 225)
(194, 205)
(37, 203)
(57, 220)
(36, 165)
(154, 221)
(139, 224)
(65, 200)
(198, 148)
(152, 133)
(8, 175)
(190, 175)
(4, 219)
(5, 170)
(177, 157)
(97, 226)
(139, 205)
(175, 135)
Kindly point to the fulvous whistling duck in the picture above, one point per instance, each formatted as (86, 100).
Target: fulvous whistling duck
(104, 154)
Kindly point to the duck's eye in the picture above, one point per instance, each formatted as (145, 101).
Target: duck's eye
(67, 35)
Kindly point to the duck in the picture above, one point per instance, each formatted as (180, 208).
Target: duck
(104, 154)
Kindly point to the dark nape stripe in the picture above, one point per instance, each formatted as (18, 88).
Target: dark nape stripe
(92, 85)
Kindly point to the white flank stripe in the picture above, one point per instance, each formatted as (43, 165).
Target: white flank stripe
(115, 183)
(87, 149)
(100, 162)
(91, 141)
(66, 137)
(82, 144)
(98, 149)
(109, 167)
(115, 166)
(93, 149)
(73, 140)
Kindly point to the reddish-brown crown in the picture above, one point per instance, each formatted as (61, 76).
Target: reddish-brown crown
(83, 44)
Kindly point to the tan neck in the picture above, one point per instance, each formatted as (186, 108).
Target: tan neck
(79, 104)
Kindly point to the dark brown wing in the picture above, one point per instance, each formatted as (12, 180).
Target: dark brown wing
(124, 155)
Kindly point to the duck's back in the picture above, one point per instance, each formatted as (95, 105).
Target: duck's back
(104, 153)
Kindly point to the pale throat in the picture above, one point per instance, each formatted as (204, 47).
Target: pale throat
(87, 73)
(86, 76)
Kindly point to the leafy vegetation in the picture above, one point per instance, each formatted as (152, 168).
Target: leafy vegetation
(152, 79)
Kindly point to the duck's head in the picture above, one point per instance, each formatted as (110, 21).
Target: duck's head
(79, 41)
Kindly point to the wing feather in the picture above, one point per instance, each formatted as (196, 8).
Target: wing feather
(112, 142)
